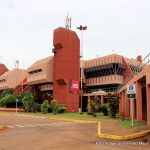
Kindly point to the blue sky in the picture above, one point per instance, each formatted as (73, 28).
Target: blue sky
(114, 26)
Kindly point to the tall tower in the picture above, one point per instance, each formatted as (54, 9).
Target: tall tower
(66, 67)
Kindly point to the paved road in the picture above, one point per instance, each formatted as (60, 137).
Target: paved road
(34, 133)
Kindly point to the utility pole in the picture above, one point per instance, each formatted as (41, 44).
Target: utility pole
(81, 28)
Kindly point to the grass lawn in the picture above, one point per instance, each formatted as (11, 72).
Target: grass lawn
(127, 124)
(74, 115)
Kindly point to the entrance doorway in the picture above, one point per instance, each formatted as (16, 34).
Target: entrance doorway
(84, 103)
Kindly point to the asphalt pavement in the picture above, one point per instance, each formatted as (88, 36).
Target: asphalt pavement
(38, 133)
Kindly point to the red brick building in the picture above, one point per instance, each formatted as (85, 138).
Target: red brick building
(53, 77)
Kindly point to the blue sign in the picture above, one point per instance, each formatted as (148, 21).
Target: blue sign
(131, 91)
(17, 99)
(131, 87)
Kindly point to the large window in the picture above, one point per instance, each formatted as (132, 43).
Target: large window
(104, 70)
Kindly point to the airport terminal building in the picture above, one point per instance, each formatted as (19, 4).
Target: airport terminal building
(58, 77)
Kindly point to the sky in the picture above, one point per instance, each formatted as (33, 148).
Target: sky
(113, 26)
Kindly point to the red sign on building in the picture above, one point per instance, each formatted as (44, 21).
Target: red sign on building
(74, 86)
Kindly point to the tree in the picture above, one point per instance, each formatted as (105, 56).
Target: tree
(94, 106)
(7, 91)
(113, 100)
(28, 101)
(9, 100)
(104, 109)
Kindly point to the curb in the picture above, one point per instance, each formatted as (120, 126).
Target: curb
(61, 119)
(72, 120)
(119, 138)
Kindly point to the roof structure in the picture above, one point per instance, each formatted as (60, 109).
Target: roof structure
(11, 79)
(41, 71)
(3, 69)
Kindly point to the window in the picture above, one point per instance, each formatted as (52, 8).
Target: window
(2, 81)
(35, 71)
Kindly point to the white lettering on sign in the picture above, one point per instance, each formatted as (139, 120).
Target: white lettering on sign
(75, 86)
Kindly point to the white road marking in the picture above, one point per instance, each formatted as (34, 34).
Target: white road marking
(10, 126)
(32, 116)
(39, 125)
(29, 125)
(21, 126)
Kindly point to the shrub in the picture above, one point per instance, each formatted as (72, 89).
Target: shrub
(57, 108)
(104, 109)
(61, 108)
(89, 109)
(38, 107)
(6, 100)
(28, 101)
(6, 92)
(44, 107)
(9, 100)
(54, 106)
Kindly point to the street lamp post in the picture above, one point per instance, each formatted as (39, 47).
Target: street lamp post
(16, 104)
(81, 28)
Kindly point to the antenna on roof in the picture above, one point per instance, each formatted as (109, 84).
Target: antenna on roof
(97, 54)
(137, 52)
(113, 50)
(68, 22)
(17, 64)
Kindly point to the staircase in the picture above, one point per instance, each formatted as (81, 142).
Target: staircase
(20, 86)
(27, 88)
(138, 69)
(144, 62)
(23, 87)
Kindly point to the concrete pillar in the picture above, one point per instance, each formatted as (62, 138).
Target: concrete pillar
(123, 102)
(102, 99)
(138, 101)
(148, 104)
(127, 111)
(120, 103)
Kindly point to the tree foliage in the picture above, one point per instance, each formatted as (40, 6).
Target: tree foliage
(28, 101)
(44, 107)
(57, 108)
(6, 92)
(94, 106)
(9, 100)
(113, 99)
(104, 109)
